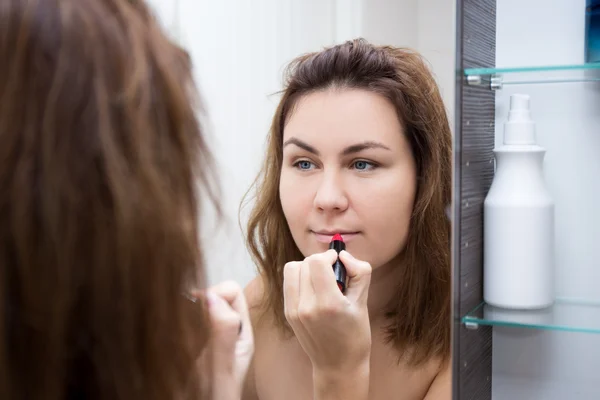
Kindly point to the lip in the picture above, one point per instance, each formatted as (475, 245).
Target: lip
(326, 236)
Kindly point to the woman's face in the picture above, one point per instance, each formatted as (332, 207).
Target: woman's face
(347, 168)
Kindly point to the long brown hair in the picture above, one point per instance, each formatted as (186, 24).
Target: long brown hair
(99, 175)
(419, 319)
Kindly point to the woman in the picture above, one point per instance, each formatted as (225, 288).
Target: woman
(100, 162)
(359, 145)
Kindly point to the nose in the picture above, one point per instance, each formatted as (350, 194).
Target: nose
(331, 196)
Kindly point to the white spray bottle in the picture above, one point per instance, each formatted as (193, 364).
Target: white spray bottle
(519, 219)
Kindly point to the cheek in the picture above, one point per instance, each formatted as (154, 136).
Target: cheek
(387, 212)
(295, 201)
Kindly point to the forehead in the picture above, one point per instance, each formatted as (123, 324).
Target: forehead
(344, 117)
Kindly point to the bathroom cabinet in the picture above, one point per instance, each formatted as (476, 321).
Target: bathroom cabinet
(535, 48)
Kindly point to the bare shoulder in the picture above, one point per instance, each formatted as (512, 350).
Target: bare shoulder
(254, 291)
(430, 380)
(263, 322)
(255, 297)
(441, 387)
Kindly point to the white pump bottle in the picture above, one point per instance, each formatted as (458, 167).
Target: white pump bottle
(519, 219)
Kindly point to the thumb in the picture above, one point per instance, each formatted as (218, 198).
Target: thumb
(359, 277)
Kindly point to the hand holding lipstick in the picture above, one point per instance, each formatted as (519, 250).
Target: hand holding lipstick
(332, 328)
(232, 344)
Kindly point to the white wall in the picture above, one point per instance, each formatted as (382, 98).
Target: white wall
(530, 364)
(424, 25)
(436, 40)
(239, 48)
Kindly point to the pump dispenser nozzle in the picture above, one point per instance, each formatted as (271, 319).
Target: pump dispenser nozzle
(519, 129)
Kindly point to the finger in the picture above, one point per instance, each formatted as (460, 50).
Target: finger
(228, 290)
(225, 323)
(233, 293)
(291, 290)
(226, 345)
(321, 273)
(307, 291)
(359, 277)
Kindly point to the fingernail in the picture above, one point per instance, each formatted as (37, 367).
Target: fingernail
(211, 298)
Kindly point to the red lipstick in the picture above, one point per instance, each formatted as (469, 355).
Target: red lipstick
(337, 243)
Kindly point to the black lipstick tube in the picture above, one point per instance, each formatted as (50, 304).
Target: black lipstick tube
(338, 267)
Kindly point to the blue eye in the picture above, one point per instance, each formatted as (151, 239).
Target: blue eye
(362, 165)
(304, 165)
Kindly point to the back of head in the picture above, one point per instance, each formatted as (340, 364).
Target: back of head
(419, 316)
(98, 204)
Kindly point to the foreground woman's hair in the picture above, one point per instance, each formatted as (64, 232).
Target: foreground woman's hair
(99, 148)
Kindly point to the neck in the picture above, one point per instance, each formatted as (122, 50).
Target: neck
(384, 285)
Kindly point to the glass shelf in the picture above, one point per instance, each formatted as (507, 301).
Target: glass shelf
(495, 78)
(564, 315)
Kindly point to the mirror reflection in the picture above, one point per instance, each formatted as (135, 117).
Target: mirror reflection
(279, 233)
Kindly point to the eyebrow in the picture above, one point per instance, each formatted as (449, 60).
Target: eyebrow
(355, 148)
